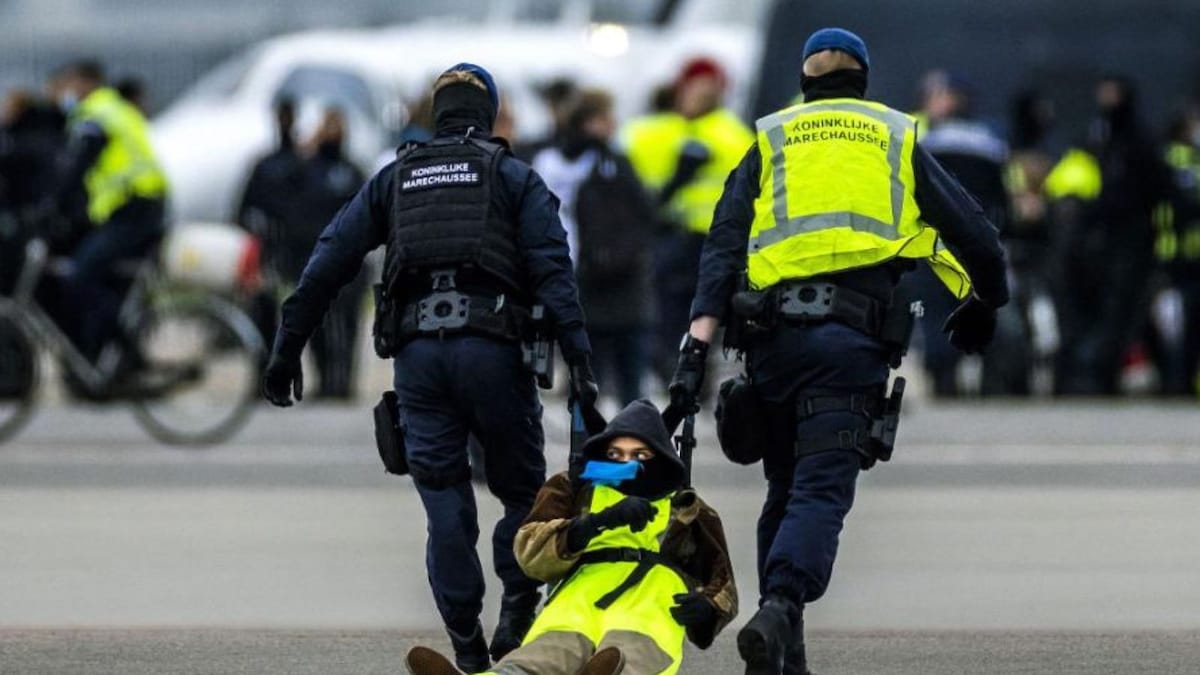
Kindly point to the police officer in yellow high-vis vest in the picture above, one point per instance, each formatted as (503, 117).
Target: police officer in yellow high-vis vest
(110, 156)
(828, 209)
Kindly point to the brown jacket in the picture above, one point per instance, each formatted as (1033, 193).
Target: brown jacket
(694, 540)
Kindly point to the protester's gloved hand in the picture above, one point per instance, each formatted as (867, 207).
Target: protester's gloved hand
(971, 326)
(693, 610)
(283, 375)
(689, 375)
(635, 512)
(584, 389)
(632, 511)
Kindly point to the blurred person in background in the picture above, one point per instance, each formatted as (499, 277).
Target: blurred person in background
(463, 221)
(684, 157)
(557, 95)
(826, 211)
(328, 180)
(133, 89)
(110, 155)
(976, 155)
(1105, 193)
(1178, 251)
(270, 210)
(1027, 237)
(609, 221)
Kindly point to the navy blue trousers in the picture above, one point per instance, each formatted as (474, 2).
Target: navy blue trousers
(93, 293)
(808, 499)
(449, 389)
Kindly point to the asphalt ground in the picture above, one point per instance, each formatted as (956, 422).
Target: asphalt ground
(1003, 538)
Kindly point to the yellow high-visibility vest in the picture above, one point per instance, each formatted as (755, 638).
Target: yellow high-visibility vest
(837, 193)
(644, 608)
(1076, 175)
(653, 144)
(126, 167)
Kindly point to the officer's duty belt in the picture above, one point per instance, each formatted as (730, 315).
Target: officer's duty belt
(817, 301)
(449, 312)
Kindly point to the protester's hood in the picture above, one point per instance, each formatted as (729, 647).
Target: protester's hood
(641, 420)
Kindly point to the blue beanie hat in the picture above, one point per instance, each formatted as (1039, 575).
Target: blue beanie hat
(841, 40)
(482, 74)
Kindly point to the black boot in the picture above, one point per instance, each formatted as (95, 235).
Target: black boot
(795, 661)
(470, 649)
(517, 613)
(763, 642)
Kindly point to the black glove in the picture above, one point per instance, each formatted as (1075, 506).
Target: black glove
(632, 511)
(693, 610)
(635, 512)
(971, 326)
(692, 156)
(283, 374)
(584, 389)
(689, 375)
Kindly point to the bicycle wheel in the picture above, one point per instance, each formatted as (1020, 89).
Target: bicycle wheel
(199, 372)
(18, 376)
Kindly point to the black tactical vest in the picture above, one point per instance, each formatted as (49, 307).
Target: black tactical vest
(444, 217)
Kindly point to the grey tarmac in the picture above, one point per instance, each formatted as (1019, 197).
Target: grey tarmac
(1003, 538)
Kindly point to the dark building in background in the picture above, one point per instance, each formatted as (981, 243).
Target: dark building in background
(1060, 47)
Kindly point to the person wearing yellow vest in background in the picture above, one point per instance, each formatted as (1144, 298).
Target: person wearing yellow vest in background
(684, 156)
(1104, 193)
(1178, 250)
(640, 562)
(110, 156)
(817, 224)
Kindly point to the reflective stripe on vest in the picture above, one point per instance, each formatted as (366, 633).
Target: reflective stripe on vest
(126, 167)
(842, 199)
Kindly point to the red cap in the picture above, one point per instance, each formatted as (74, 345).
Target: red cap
(701, 66)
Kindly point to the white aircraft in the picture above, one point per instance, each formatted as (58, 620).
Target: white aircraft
(211, 136)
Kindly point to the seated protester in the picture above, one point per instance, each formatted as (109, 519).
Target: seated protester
(639, 560)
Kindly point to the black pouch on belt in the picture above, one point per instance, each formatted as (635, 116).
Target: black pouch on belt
(389, 434)
(741, 423)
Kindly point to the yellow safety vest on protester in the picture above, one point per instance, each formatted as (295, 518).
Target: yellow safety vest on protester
(642, 608)
(126, 167)
(837, 192)
(1077, 175)
(1179, 242)
(653, 145)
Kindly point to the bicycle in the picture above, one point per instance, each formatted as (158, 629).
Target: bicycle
(184, 359)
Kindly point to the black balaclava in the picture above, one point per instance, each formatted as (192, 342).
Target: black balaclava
(844, 83)
(460, 106)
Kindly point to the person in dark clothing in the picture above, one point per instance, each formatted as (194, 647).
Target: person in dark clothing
(269, 209)
(1178, 249)
(610, 224)
(975, 155)
(329, 180)
(109, 158)
(1106, 192)
(32, 135)
(473, 241)
(825, 212)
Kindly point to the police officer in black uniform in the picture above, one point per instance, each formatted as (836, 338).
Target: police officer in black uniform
(473, 242)
(818, 345)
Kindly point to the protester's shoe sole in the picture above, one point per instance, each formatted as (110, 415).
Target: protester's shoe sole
(607, 661)
(753, 648)
(425, 661)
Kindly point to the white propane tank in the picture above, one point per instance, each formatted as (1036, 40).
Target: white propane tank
(216, 256)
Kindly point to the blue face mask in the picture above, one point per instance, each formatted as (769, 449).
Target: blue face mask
(610, 474)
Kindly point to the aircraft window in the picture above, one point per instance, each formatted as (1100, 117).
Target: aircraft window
(329, 85)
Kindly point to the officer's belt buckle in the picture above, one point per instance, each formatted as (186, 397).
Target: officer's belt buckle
(808, 302)
(443, 310)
